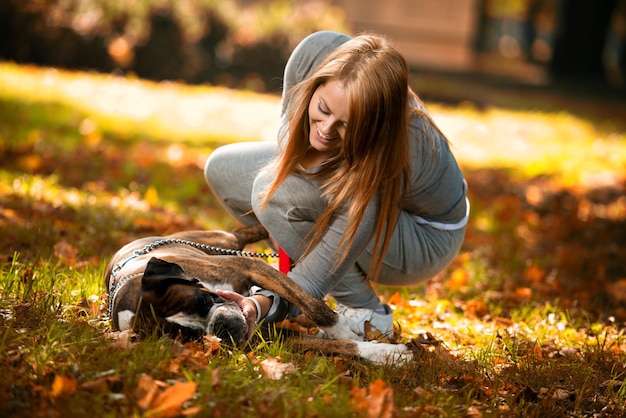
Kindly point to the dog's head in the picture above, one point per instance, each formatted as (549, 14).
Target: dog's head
(179, 305)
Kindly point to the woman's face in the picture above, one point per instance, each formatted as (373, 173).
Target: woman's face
(328, 115)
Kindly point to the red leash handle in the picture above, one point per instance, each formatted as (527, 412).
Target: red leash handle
(284, 262)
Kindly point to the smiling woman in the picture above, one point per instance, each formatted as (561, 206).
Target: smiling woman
(362, 186)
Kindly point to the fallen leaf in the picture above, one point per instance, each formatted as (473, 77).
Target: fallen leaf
(30, 163)
(158, 400)
(152, 196)
(169, 403)
(341, 364)
(66, 252)
(191, 411)
(560, 394)
(523, 294)
(422, 393)
(473, 412)
(358, 399)
(398, 300)
(9, 215)
(444, 355)
(146, 392)
(376, 401)
(62, 386)
(253, 359)
(309, 356)
(275, 370)
(476, 308)
(534, 273)
(122, 340)
(189, 354)
(458, 280)
(373, 334)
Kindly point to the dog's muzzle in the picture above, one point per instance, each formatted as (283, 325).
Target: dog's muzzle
(226, 321)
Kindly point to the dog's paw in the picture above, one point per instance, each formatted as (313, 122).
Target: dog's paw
(344, 329)
(384, 353)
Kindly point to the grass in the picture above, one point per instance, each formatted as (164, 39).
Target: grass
(527, 321)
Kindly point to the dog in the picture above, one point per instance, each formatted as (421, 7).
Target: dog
(168, 285)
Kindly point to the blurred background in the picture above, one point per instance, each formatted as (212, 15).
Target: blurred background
(573, 47)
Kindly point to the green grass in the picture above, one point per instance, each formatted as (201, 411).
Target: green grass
(528, 321)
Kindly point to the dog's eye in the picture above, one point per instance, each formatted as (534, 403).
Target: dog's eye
(201, 303)
(218, 299)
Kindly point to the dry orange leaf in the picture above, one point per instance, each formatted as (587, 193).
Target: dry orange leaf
(169, 403)
(372, 333)
(476, 308)
(375, 401)
(152, 196)
(146, 391)
(358, 399)
(523, 294)
(534, 273)
(9, 215)
(30, 163)
(63, 385)
(397, 300)
(157, 402)
(211, 343)
(458, 279)
(341, 364)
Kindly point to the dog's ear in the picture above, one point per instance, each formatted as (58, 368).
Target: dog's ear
(159, 274)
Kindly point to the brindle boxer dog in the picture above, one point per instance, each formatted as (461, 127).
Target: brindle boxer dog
(167, 285)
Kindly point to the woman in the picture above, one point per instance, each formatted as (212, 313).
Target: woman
(362, 186)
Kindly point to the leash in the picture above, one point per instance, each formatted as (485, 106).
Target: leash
(116, 285)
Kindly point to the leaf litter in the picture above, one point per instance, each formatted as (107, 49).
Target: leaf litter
(530, 316)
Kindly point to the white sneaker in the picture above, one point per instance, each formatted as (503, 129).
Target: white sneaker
(382, 322)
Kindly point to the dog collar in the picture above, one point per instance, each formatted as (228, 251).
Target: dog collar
(115, 288)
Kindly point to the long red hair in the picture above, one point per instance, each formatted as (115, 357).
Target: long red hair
(374, 155)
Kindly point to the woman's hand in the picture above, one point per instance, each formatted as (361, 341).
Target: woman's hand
(248, 308)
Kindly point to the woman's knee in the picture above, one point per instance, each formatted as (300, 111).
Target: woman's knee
(290, 212)
(213, 164)
(237, 162)
(294, 192)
